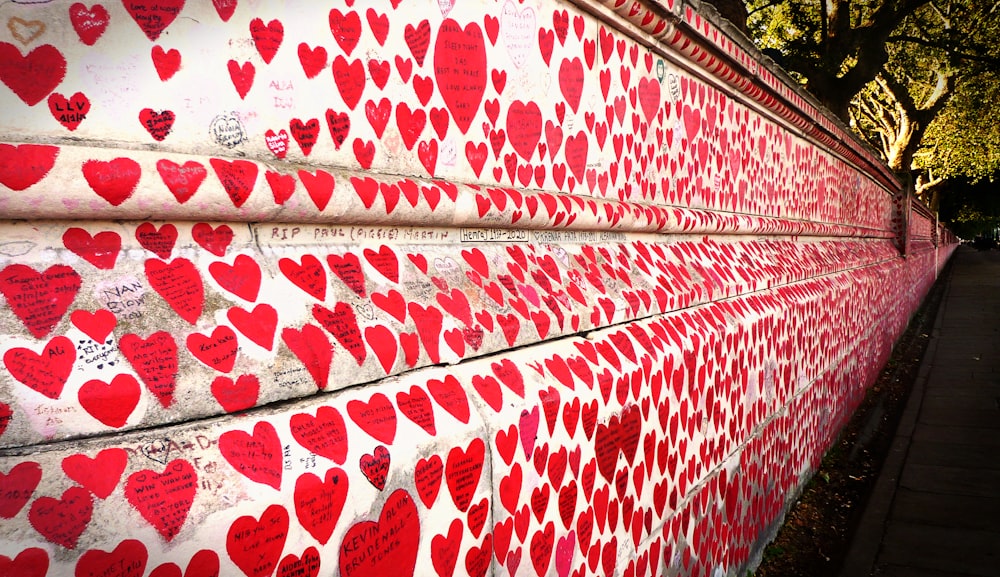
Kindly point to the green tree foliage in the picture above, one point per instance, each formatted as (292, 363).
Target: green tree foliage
(917, 78)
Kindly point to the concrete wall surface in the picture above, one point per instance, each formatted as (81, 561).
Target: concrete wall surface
(413, 287)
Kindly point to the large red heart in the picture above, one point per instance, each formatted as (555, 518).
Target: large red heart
(255, 546)
(182, 180)
(97, 325)
(267, 37)
(127, 560)
(309, 276)
(39, 299)
(213, 239)
(460, 69)
(114, 180)
(70, 112)
(387, 546)
(166, 62)
(159, 241)
(99, 475)
(385, 262)
(347, 267)
(377, 417)
(450, 394)
(350, 80)
(427, 479)
(305, 566)
(179, 283)
(31, 562)
(45, 372)
(238, 177)
(63, 520)
(524, 128)
(33, 76)
(164, 499)
(445, 548)
(416, 405)
(111, 403)
(258, 325)
(312, 347)
(242, 278)
(23, 165)
(218, 351)
(342, 323)
(325, 434)
(155, 361)
(88, 23)
(346, 29)
(256, 456)
(19, 484)
(236, 395)
(100, 250)
(319, 502)
(462, 472)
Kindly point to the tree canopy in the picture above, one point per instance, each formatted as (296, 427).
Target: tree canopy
(919, 79)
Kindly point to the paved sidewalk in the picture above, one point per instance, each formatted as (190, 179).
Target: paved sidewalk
(935, 511)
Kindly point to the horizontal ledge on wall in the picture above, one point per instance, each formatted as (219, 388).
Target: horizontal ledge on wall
(44, 182)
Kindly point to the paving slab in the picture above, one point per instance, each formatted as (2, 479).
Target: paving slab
(945, 510)
(957, 455)
(963, 551)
